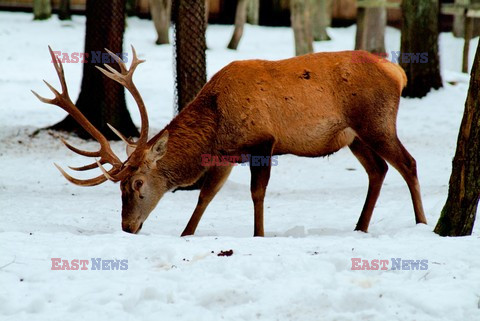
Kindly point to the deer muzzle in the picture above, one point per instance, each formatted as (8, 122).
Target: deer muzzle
(132, 227)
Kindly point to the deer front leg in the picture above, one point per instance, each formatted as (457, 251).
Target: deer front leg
(260, 171)
(214, 180)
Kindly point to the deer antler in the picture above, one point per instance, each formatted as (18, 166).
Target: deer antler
(124, 77)
(105, 153)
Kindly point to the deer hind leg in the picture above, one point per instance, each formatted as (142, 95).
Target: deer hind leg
(376, 169)
(391, 149)
(214, 180)
(260, 175)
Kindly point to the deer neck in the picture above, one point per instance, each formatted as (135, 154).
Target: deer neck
(191, 135)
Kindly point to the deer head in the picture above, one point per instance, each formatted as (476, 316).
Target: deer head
(141, 190)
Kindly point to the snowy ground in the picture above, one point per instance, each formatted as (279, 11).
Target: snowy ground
(300, 271)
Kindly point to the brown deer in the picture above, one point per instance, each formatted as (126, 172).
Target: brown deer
(311, 105)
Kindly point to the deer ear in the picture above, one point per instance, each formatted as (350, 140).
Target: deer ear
(159, 148)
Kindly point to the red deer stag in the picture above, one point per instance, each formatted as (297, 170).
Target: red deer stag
(311, 105)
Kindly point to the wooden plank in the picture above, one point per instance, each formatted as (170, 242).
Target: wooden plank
(452, 11)
(377, 4)
(473, 13)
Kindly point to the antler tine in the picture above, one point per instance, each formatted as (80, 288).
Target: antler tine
(42, 99)
(135, 60)
(87, 167)
(86, 182)
(120, 135)
(79, 151)
(125, 78)
(105, 173)
(63, 101)
(119, 61)
(61, 74)
(113, 74)
(53, 101)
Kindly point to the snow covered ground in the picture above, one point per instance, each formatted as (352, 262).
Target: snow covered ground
(301, 271)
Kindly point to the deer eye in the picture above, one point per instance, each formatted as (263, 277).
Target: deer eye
(137, 184)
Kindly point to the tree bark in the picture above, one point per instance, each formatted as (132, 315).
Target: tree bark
(207, 12)
(101, 99)
(458, 214)
(371, 23)
(322, 18)
(189, 21)
(240, 19)
(458, 27)
(42, 9)
(420, 35)
(190, 45)
(161, 11)
(253, 12)
(466, 46)
(301, 20)
(64, 10)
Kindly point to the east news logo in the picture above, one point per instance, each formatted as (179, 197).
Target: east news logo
(97, 264)
(397, 264)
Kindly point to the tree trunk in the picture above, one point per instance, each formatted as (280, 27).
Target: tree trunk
(42, 9)
(131, 7)
(64, 10)
(371, 23)
(253, 12)
(322, 18)
(458, 27)
(240, 19)
(101, 99)
(420, 35)
(466, 46)
(458, 214)
(301, 20)
(190, 45)
(161, 11)
(190, 61)
(207, 12)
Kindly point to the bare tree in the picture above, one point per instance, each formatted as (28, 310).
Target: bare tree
(420, 36)
(207, 11)
(240, 19)
(322, 18)
(161, 16)
(64, 12)
(253, 12)
(190, 45)
(371, 23)
(131, 7)
(42, 9)
(102, 100)
(301, 20)
(458, 214)
(190, 60)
